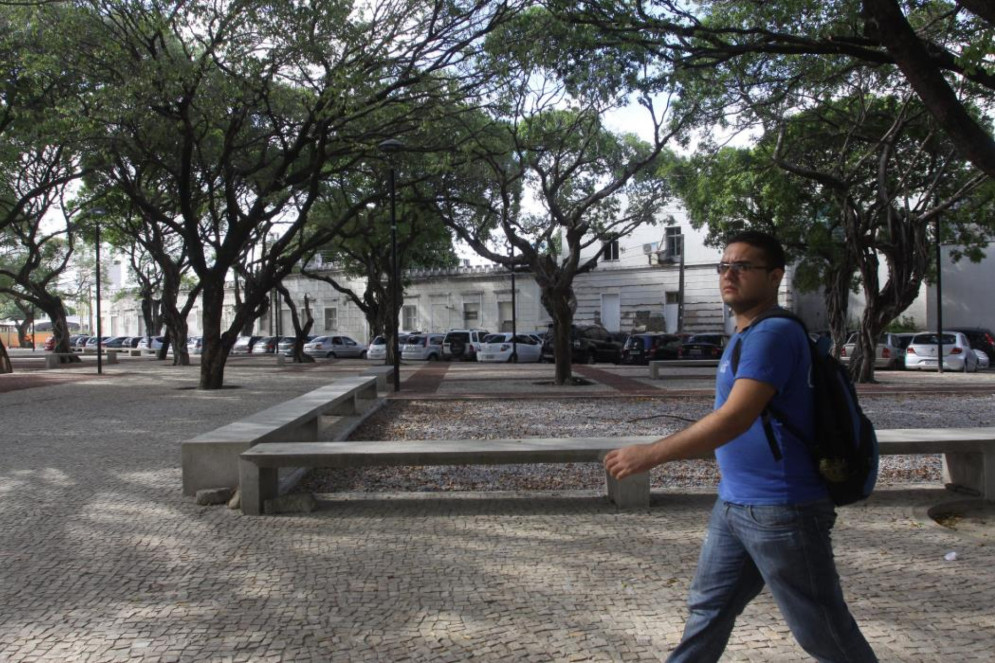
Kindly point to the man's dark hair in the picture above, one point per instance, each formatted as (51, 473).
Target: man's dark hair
(771, 247)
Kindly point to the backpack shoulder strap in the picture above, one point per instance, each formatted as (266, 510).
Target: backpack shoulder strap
(770, 412)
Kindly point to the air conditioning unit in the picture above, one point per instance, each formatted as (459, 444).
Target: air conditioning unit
(649, 248)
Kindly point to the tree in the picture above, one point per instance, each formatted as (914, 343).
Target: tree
(39, 159)
(879, 172)
(543, 141)
(244, 114)
(362, 248)
(943, 48)
(734, 189)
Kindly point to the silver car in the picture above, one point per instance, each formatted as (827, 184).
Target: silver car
(334, 347)
(422, 347)
(888, 353)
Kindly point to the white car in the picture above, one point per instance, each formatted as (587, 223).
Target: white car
(957, 352)
(498, 347)
(334, 347)
(422, 347)
(983, 361)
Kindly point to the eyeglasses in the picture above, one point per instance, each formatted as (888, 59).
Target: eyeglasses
(739, 267)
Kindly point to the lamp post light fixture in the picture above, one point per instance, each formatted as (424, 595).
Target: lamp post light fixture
(390, 147)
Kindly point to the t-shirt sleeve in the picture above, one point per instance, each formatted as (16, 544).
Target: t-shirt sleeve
(769, 354)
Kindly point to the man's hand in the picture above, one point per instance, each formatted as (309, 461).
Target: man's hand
(627, 461)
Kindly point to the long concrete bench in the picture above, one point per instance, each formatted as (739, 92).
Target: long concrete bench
(258, 466)
(969, 457)
(54, 359)
(657, 366)
(328, 413)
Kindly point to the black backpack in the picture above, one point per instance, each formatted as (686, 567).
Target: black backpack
(845, 447)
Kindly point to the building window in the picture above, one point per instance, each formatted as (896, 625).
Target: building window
(409, 318)
(672, 298)
(675, 240)
(610, 250)
(471, 314)
(331, 318)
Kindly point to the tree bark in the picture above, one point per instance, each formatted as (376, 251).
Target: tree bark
(895, 34)
(5, 366)
(560, 305)
(300, 331)
(216, 345)
(56, 312)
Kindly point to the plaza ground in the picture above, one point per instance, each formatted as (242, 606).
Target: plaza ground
(103, 559)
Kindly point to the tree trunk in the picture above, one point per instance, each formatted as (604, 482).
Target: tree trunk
(837, 300)
(300, 331)
(5, 366)
(560, 306)
(56, 312)
(214, 353)
(22, 332)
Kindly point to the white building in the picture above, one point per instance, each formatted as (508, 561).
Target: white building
(637, 285)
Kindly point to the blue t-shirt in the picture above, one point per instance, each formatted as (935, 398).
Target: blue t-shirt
(775, 352)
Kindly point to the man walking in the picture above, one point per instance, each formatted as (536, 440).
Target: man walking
(772, 522)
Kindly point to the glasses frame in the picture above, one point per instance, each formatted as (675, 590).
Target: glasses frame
(741, 267)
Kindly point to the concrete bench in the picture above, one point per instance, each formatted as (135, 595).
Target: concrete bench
(657, 366)
(54, 359)
(258, 466)
(968, 453)
(969, 458)
(331, 412)
(384, 375)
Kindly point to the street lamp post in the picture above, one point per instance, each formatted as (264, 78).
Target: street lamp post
(939, 299)
(100, 365)
(680, 285)
(514, 313)
(390, 147)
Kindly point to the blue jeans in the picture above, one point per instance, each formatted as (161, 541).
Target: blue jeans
(789, 549)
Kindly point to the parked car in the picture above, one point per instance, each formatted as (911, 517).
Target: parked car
(286, 343)
(91, 343)
(588, 344)
(650, 346)
(244, 344)
(266, 345)
(153, 343)
(377, 349)
(957, 352)
(116, 342)
(334, 346)
(980, 338)
(463, 344)
(983, 361)
(195, 345)
(703, 346)
(80, 342)
(888, 354)
(422, 347)
(499, 347)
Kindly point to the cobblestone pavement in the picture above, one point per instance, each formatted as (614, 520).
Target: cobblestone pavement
(103, 559)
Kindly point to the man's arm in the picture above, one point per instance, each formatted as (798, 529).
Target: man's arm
(746, 401)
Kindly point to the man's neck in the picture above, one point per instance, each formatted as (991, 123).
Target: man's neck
(744, 319)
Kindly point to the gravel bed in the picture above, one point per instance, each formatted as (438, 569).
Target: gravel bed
(476, 419)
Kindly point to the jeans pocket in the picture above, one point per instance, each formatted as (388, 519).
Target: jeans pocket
(773, 517)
